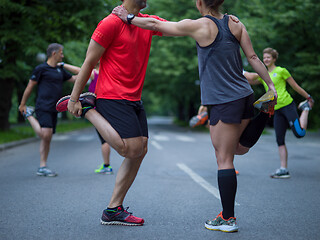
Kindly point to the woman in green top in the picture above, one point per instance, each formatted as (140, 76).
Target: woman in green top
(285, 111)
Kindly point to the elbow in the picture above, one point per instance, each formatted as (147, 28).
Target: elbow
(153, 25)
(252, 57)
(150, 24)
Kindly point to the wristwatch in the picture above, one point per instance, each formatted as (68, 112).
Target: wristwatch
(130, 17)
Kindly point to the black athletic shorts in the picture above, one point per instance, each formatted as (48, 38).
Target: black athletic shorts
(47, 119)
(232, 112)
(128, 118)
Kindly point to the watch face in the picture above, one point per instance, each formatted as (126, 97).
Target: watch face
(130, 17)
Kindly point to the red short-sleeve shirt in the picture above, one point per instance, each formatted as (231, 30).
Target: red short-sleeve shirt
(124, 63)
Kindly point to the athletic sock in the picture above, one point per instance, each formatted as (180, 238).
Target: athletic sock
(227, 181)
(253, 131)
(113, 210)
(106, 165)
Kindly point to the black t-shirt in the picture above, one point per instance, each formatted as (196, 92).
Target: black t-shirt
(50, 81)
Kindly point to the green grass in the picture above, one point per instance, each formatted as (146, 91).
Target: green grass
(20, 132)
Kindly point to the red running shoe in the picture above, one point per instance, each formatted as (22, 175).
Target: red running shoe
(87, 100)
(199, 119)
(120, 217)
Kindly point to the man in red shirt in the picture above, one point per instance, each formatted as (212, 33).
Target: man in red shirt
(123, 50)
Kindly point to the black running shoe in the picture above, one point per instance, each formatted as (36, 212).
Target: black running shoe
(120, 217)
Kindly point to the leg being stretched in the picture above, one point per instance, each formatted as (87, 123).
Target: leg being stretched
(108, 133)
(252, 133)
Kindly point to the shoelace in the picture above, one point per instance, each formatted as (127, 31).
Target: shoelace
(126, 210)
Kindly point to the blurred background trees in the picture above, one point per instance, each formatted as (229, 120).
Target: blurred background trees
(171, 86)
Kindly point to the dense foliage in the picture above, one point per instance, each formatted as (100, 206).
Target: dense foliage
(171, 86)
(291, 27)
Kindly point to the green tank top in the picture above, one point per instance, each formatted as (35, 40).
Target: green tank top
(279, 76)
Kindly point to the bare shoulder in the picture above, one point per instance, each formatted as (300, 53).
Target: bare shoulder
(198, 23)
(197, 28)
(207, 31)
(236, 26)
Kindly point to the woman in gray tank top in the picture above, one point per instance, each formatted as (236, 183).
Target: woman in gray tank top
(223, 88)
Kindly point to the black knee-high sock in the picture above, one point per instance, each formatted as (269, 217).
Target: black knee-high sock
(227, 181)
(253, 131)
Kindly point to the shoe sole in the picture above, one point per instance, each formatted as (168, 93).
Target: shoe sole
(222, 228)
(281, 177)
(107, 173)
(46, 175)
(267, 97)
(263, 102)
(120, 223)
(62, 104)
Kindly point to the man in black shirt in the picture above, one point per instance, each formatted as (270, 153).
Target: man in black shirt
(49, 79)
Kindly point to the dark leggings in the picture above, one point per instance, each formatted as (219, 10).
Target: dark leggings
(287, 117)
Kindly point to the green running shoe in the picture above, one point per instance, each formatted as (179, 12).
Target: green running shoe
(221, 224)
(104, 170)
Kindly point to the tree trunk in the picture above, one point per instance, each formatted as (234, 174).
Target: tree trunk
(19, 91)
(180, 111)
(5, 102)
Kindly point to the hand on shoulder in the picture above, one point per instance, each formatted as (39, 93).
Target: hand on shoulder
(234, 18)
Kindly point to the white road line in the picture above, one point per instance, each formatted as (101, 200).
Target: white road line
(161, 138)
(85, 138)
(203, 183)
(156, 145)
(60, 137)
(185, 139)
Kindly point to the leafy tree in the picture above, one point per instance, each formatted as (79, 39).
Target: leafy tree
(173, 67)
(26, 29)
(28, 26)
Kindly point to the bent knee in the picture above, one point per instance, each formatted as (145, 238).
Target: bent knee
(46, 136)
(297, 130)
(241, 150)
(135, 152)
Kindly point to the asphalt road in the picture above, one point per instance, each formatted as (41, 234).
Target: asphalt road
(175, 191)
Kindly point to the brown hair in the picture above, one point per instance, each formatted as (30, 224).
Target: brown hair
(274, 53)
(213, 4)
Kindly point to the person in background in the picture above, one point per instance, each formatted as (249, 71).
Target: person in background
(49, 78)
(286, 114)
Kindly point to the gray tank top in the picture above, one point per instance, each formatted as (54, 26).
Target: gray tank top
(220, 68)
